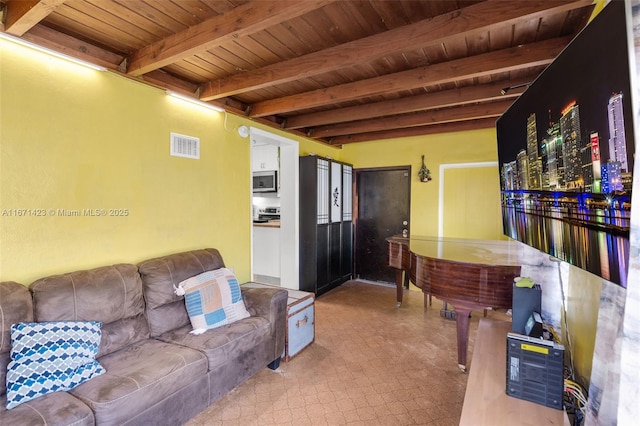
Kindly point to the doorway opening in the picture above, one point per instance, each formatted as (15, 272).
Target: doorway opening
(274, 250)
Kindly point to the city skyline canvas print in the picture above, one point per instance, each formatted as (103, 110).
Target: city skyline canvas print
(566, 153)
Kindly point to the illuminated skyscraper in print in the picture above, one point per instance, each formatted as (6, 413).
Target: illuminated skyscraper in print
(523, 170)
(570, 131)
(611, 177)
(509, 176)
(595, 159)
(617, 139)
(535, 165)
(586, 159)
(554, 166)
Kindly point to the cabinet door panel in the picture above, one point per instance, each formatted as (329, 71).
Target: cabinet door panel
(347, 193)
(308, 224)
(335, 252)
(346, 261)
(323, 258)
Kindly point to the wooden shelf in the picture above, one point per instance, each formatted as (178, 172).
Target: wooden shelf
(486, 401)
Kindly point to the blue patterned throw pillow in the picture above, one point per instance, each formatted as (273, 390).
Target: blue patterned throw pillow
(51, 356)
(212, 299)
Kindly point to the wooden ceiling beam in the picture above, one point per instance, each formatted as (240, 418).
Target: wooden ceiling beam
(441, 99)
(71, 46)
(446, 115)
(243, 20)
(486, 64)
(456, 25)
(159, 78)
(22, 15)
(457, 126)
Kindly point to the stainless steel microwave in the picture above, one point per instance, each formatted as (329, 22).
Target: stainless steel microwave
(265, 181)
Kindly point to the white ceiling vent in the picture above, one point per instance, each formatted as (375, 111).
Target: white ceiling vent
(185, 146)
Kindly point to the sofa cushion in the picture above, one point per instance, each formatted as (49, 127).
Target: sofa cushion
(53, 409)
(49, 357)
(212, 299)
(110, 294)
(225, 343)
(165, 310)
(138, 377)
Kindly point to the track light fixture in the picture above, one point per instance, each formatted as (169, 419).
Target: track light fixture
(194, 101)
(506, 89)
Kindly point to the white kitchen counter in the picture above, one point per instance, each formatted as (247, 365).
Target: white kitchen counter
(270, 224)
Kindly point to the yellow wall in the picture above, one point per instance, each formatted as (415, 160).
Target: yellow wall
(74, 139)
(471, 199)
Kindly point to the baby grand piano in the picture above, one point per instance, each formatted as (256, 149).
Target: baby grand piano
(468, 274)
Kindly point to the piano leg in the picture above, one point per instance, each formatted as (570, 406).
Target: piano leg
(462, 328)
(399, 288)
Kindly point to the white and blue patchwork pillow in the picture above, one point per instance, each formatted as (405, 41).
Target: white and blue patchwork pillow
(212, 299)
(51, 356)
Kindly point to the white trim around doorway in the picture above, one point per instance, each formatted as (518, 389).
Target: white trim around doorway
(289, 206)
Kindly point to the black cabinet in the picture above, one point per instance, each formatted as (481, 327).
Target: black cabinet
(326, 228)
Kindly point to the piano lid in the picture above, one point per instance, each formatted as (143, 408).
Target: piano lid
(489, 252)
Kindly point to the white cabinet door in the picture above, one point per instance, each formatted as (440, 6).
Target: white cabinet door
(271, 157)
(257, 158)
(266, 251)
(264, 158)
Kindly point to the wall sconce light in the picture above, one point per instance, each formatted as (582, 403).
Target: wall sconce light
(424, 173)
(243, 131)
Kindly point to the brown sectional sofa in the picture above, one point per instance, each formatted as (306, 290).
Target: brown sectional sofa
(156, 371)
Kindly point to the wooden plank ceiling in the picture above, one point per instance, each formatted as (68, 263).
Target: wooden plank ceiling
(338, 71)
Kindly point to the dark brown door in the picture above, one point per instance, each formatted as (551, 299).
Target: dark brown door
(382, 210)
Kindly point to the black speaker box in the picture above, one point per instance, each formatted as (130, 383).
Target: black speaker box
(535, 369)
(525, 301)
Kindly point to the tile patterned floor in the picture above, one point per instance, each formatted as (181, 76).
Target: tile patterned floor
(371, 364)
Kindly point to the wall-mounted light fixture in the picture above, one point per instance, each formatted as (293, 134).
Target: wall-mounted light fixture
(243, 131)
(516, 86)
(194, 101)
(48, 51)
(424, 173)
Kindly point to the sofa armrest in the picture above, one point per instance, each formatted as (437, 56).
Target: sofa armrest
(269, 303)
